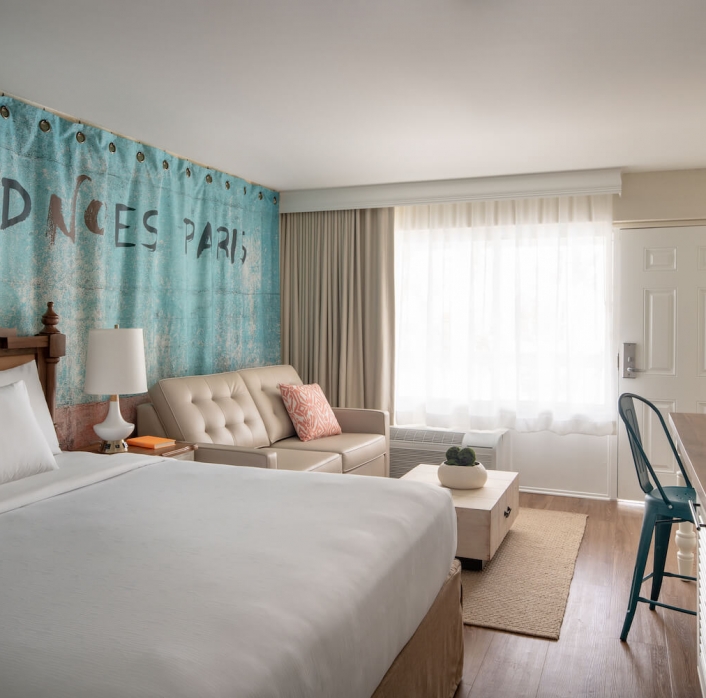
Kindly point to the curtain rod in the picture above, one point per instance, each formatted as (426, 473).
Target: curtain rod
(573, 183)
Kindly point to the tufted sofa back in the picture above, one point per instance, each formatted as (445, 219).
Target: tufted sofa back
(263, 385)
(210, 409)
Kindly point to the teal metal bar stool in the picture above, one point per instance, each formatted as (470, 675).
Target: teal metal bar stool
(664, 506)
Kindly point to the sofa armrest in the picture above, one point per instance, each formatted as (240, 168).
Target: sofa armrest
(148, 421)
(235, 455)
(360, 421)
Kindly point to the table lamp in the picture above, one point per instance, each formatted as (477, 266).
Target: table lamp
(115, 364)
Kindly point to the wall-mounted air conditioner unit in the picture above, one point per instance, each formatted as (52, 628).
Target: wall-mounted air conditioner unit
(409, 447)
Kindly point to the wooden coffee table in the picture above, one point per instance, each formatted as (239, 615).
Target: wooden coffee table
(484, 516)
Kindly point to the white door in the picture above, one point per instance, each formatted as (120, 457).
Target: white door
(662, 306)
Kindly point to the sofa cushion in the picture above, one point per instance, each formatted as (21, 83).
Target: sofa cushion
(263, 384)
(292, 459)
(376, 468)
(309, 411)
(215, 408)
(355, 449)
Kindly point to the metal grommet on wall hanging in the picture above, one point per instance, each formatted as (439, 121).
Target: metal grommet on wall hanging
(245, 191)
(44, 125)
(80, 137)
(274, 200)
(111, 147)
(209, 179)
(165, 164)
(259, 196)
(140, 156)
(227, 185)
(4, 112)
(188, 172)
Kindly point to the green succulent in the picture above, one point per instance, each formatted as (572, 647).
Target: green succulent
(460, 456)
(452, 455)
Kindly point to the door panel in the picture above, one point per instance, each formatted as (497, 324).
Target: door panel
(656, 446)
(701, 332)
(660, 332)
(662, 308)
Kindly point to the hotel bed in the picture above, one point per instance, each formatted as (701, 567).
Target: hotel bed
(128, 575)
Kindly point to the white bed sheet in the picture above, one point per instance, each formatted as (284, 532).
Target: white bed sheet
(172, 578)
(76, 469)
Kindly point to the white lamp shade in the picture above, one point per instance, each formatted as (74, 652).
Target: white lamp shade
(115, 364)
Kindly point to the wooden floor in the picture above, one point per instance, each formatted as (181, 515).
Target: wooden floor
(659, 658)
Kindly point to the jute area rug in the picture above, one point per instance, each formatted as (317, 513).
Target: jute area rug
(524, 588)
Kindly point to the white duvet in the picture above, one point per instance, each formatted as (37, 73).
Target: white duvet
(132, 576)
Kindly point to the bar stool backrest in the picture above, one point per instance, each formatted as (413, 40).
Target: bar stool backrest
(645, 472)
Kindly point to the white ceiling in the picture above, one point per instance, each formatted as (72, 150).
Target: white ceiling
(299, 94)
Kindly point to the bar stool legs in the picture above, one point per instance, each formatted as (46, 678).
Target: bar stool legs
(643, 549)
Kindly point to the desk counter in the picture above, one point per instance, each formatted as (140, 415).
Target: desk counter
(690, 431)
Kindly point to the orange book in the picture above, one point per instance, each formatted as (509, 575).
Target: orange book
(150, 442)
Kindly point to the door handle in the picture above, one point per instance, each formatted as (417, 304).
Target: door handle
(629, 352)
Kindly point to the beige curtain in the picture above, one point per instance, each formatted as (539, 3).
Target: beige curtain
(338, 322)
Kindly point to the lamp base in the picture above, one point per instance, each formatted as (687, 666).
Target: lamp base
(114, 429)
(118, 446)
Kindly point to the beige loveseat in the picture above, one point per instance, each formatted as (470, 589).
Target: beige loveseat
(238, 418)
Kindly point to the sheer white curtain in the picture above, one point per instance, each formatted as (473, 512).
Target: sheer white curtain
(504, 315)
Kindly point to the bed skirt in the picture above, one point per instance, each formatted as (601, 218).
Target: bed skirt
(430, 665)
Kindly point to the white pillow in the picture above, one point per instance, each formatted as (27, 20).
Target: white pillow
(28, 373)
(24, 449)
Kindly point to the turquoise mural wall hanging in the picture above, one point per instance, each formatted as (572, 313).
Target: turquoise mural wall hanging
(116, 232)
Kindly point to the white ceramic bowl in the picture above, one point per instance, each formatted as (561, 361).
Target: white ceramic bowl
(462, 477)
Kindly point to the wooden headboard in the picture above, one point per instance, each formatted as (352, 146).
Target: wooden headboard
(46, 348)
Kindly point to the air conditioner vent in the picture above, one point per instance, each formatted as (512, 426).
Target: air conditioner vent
(433, 436)
(410, 447)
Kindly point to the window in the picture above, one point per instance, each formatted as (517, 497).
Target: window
(503, 315)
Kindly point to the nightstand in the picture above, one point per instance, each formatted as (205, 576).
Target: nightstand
(180, 450)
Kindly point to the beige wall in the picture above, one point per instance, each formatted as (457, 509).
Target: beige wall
(676, 195)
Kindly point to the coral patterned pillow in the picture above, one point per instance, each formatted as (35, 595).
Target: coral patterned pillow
(309, 411)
